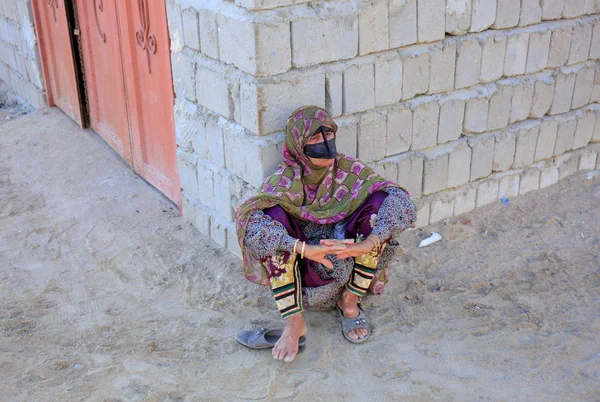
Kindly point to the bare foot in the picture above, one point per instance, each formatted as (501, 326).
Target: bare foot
(348, 303)
(286, 347)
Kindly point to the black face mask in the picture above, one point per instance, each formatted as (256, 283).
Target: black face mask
(322, 150)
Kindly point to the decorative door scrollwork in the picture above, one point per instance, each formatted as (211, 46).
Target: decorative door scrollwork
(143, 37)
(99, 7)
(54, 5)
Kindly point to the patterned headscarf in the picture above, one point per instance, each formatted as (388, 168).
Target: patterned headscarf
(322, 195)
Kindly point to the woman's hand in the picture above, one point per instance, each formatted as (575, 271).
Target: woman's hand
(318, 253)
(352, 249)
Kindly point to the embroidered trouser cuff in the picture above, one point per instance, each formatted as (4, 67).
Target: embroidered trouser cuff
(364, 271)
(285, 283)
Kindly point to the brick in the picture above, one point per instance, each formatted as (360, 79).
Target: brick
(251, 158)
(390, 171)
(212, 90)
(573, 8)
(465, 201)
(403, 22)
(371, 127)
(459, 166)
(504, 151)
(347, 139)
(499, 109)
(565, 137)
(266, 107)
(218, 231)
(458, 16)
(359, 88)
(188, 177)
(336, 38)
(543, 94)
(410, 173)
(560, 46)
(552, 9)
(487, 193)
(431, 20)
(425, 125)
(442, 208)
(483, 156)
(546, 140)
(525, 148)
(191, 33)
(233, 244)
(587, 161)
(492, 59)
(442, 68)
(592, 6)
(184, 75)
(209, 33)
(399, 131)
(435, 173)
(548, 175)
(423, 213)
(273, 49)
(388, 80)
(584, 130)
(537, 54)
(595, 46)
(468, 64)
(521, 102)
(483, 15)
(214, 144)
(567, 165)
(256, 48)
(222, 183)
(175, 26)
(509, 186)
(563, 93)
(415, 76)
(516, 54)
(373, 27)
(530, 181)
(584, 86)
(507, 14)
(596, 136)
(476, 113)
(333, 93)
(531, 12)
(452, 115)
(596, 90)
(580, 43)
(197, 138)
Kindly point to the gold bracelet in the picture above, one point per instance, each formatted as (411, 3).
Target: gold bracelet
(375, 239)
(295, 244)
(302, 254)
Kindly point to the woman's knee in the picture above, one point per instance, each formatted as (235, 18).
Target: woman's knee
(376, 199)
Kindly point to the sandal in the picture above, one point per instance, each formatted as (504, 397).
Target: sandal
(349, 324)
(263, 338)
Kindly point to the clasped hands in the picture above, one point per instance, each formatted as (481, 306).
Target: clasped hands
(345, 248)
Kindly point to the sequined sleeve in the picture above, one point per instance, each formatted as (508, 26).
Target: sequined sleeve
(266, 236)
(397, 212)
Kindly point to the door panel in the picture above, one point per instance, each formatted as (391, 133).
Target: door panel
(149, 87)
(103, 71)
(58, 61)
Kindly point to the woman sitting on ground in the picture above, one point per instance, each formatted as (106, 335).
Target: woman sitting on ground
(319, 230)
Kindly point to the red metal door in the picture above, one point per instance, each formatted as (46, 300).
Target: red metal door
(149, 87)
(127, 64)
(103, 70)
(57, 54)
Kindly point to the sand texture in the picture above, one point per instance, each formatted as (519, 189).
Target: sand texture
(106, 294)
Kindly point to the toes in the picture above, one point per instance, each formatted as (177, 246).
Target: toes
(290, 356)
(353, 334)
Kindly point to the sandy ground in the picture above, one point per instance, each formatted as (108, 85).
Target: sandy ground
(106, 294)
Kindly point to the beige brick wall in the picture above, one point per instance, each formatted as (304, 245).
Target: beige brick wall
(19, 57)
(471, 100)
